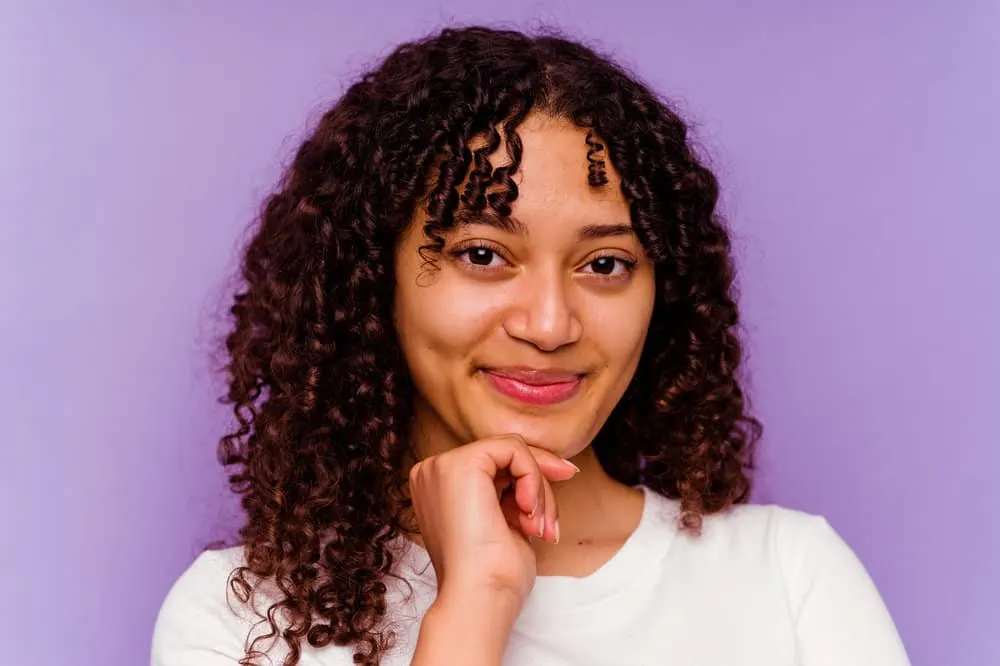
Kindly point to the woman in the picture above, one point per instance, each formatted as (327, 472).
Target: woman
(485, 373)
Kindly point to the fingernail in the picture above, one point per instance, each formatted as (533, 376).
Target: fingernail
(534, 509)
(556, 529)
(541, 528)
(571, 465)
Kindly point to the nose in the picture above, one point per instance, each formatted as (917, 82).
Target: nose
(543, 314)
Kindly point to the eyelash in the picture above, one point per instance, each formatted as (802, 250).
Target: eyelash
(627, 263)
(463, 251)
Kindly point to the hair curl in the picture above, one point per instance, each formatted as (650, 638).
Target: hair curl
(317, 380)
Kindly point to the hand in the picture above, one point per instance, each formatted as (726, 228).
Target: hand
(477, 541)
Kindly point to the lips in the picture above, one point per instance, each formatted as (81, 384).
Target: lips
(535, 386)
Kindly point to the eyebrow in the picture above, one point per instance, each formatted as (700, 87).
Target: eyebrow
(512, 225)
(592, 231)
(508, 224)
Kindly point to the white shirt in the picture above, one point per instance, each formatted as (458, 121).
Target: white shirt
(761, 586)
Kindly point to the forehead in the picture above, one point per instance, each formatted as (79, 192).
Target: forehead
(552, 177)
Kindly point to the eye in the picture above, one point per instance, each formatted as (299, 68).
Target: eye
(609, 266)
(480, 256)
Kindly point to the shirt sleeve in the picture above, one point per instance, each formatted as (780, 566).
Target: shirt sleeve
(841, 619)
(196, 625)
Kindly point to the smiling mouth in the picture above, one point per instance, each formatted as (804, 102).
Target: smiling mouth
(534, 386)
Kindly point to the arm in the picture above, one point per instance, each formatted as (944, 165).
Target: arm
(841, 618)
(468, 629)
(478, 543)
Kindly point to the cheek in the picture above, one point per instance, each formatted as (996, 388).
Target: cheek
(620, 328)
(446, 319)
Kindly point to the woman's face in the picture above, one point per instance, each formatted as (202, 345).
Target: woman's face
(534, 325)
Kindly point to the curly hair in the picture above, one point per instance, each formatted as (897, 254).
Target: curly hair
(316, 377)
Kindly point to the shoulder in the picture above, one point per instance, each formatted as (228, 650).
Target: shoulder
(836, 609)
(788, 540)
(201, 620)
(204, 621)
(749, 530)
(776, 530)
(211, 568)
(794, 549)
(761, 546)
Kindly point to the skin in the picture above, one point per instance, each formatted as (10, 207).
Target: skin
(566, 286)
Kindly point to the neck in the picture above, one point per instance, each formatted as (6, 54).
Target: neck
(593, 506)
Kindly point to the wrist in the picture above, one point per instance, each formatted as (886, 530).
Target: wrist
(470, 626)
(494, 605)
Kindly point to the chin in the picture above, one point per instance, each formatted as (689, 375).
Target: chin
(562, 439)
(564, 428)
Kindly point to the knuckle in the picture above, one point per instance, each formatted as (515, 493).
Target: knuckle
(446, 463)
(517, 441)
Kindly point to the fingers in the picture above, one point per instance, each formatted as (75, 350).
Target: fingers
(511, 454)
(526, 472)
(552, 466)
(542, 521)
(532, 522)
(502, 483)
(511, 513)
(551, 525)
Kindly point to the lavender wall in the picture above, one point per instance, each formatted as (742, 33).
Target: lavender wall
(858, 146)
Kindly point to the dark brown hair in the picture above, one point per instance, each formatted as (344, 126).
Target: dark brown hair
(316, 377)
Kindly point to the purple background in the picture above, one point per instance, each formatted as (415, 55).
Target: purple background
(858, 146)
